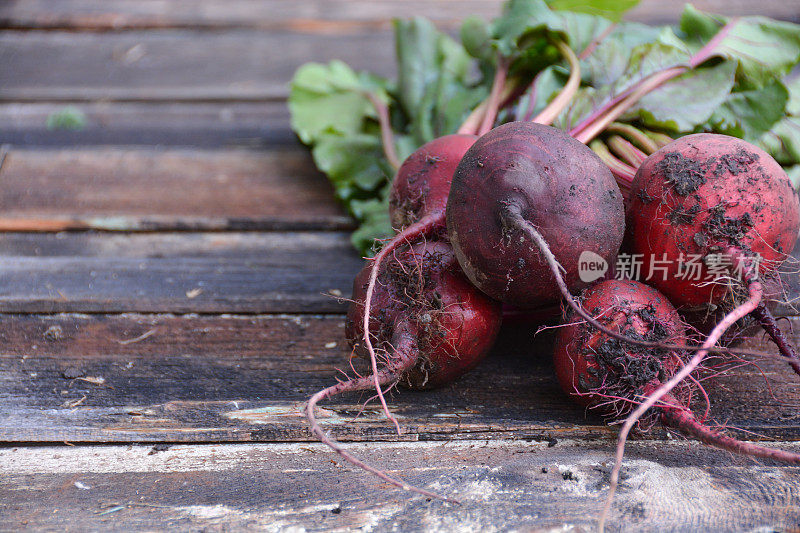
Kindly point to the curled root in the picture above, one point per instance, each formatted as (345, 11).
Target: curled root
(787, 349)
(388, 375)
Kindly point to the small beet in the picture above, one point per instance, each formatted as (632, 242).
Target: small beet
(431, 326)
(422, 182)
(605, 373)
(423, 291)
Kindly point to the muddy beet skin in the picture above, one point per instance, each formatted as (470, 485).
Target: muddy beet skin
(560, 186)
(422, 290)
(700, 195)
(593, 368)
(422, 182)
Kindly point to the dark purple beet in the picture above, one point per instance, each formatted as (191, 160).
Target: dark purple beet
(522, 172)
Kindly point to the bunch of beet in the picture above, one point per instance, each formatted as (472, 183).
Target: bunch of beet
(507, 217)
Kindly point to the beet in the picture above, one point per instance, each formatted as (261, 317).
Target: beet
(422, 293)
(425, 177)
(607, 374)
(526, 174)
(431, 326)
(709, 196)
(422, 182)
(618, 378)
(704, 194)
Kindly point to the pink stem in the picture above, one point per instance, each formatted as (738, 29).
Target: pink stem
(707, 51)
(549, 113)
(635, 135)
(588, 131)
(623, 172)
(627, 151)
(493, 104)
(662, 77)
(387, 137)
(532, 101)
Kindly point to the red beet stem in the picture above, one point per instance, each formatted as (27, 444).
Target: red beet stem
(495, 97)
(387, 137)
(549, 113)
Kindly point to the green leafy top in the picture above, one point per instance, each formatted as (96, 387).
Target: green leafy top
(729, 76)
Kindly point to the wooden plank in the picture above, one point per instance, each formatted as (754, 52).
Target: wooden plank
(166, 378)
(120, 189)
(668, 11)
(313, 15)
(175, 65)
(115, 15)
(188, 65)
(238, 378)
(516, 486)
(176, 272)
(200, 124)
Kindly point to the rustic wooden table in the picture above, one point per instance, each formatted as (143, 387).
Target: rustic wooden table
(166, 303)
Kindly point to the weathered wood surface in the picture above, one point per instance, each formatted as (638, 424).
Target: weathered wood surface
(667, 486)
(260, 334)
(176, 272)
(154, 189)
(186, 65)
(318, 15)
(166, 378)
(243, 124)
(175, 65)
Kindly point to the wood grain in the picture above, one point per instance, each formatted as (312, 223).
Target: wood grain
(209, 125)
(175, 65)
(667, 486)
(166, 378)
(185, 65)
(154, 189)
(319, 15)
(176, 272)
(307, 16)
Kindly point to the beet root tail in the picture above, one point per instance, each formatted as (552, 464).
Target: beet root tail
(388, 375)
(787, 349)
(684, 421)
(756, 293)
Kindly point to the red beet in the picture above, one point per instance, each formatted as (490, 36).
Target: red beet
(615, 377)
(422, 182)
(523, 176)
(421, 293)
(714, 197)
(704, 194)
(605, 373)
(425, 178)
(431, 326)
